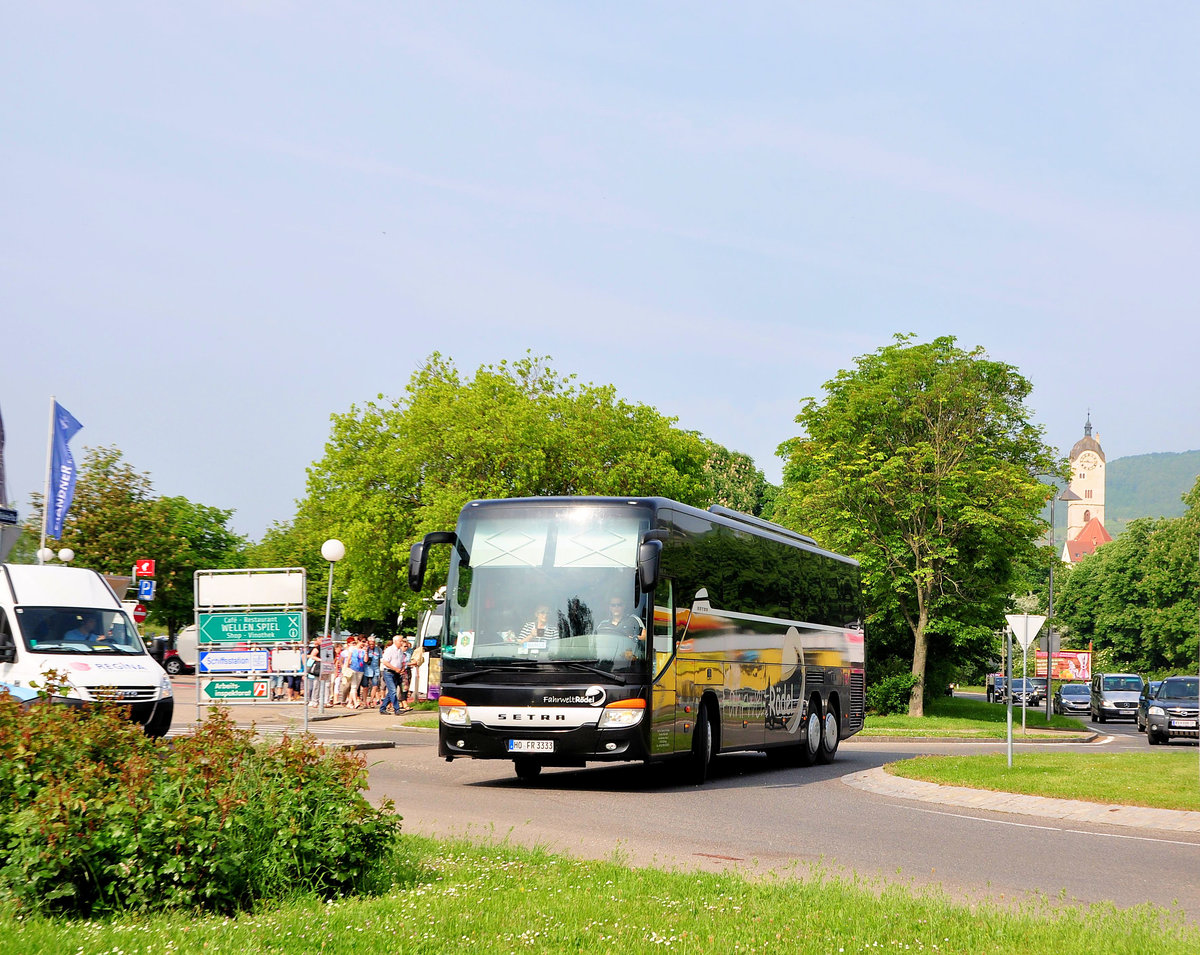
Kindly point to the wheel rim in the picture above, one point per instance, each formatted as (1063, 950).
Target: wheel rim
(831, 732)
(814, 732)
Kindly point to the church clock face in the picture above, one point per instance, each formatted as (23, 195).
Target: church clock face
(1087, 461)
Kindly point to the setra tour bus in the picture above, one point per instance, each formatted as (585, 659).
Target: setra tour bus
(604, 629)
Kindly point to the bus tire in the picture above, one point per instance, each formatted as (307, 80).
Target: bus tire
(527, 769)
(702, 745)
(830, 736)
(810, 735)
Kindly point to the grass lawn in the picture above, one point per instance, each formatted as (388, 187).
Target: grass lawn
(953, 716)
(1162, 779)
(455, 897)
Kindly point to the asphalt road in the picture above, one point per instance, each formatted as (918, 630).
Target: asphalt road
(756, 818)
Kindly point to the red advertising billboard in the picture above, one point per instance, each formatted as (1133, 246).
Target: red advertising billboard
(1067, 664)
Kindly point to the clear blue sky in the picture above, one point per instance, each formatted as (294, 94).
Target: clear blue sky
(225, 221)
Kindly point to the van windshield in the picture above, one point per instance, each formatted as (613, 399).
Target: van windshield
(1131, 684)
(75, 630)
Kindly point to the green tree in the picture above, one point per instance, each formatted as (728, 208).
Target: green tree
(922, 463)
(396, 469)
(1136, 598)
(191, 537)
(115, 519)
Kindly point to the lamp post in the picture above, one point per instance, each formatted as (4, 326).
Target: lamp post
(1067, 495)
(332, 550)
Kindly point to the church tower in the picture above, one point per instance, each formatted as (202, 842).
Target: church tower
(1085, 517)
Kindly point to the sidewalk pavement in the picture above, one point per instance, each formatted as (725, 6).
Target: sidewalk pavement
(883, 783)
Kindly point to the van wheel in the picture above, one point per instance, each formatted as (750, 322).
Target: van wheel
(1099, 716)
(830, 736)
(527, 769)
(701, 747)
(159, 722)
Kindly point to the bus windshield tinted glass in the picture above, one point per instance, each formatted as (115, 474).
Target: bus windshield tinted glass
(72, 630)
(548, 583)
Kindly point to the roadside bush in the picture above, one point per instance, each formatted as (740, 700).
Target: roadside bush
(890, 695)
(96, 818)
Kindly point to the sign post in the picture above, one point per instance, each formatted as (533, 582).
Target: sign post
(250, 630)
(1025, 627)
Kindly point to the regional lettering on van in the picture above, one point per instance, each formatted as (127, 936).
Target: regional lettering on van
(249, 628)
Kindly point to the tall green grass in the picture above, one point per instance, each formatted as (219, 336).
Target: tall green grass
(467, 898)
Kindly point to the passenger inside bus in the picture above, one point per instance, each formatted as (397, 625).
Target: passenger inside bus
(539, 628)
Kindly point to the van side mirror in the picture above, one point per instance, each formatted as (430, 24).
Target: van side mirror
(649, 557)
(8, 653)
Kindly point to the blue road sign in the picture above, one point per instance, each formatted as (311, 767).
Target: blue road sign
(145, 590)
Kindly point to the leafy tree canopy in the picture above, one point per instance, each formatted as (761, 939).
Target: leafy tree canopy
(115, 519)
(922, 462)
(394, 470)
(1136, 598)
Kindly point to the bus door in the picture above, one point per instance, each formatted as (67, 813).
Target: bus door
(664, 689)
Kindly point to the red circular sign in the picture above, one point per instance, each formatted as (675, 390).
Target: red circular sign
(139, 613)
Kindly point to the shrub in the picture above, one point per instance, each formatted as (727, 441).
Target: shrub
(96, 818)
(890, 694)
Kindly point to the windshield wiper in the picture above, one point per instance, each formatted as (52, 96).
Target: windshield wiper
(589, 668)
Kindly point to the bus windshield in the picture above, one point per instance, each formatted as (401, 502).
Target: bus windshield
(541, 584)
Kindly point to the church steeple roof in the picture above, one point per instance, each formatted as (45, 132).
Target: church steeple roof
(1086, 443)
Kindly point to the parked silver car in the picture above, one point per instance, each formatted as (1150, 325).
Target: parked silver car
(1072, 699)
(1114, 696)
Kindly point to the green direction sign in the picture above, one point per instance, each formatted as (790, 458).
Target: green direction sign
(251, 628)
(236, 689)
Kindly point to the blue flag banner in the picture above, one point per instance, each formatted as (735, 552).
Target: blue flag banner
(62, 470)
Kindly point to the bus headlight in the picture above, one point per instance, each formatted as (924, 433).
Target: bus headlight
(453, 712)
(622, 714)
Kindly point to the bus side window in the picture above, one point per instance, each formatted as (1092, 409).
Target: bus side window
(664, 623)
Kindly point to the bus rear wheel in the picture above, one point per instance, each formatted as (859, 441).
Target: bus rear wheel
(830, 736)
(527, 769)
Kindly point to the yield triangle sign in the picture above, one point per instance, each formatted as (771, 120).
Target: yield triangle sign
(1025, 627)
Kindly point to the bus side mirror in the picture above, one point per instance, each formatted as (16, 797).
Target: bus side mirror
(649, 553)
(416, 556)
(416, 566)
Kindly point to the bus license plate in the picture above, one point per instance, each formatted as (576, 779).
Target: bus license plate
(531, 746)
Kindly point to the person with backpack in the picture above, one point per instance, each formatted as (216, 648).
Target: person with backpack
(355, 667)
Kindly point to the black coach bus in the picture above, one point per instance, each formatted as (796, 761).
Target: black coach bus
(603, 629)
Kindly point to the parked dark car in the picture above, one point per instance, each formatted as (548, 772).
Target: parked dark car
(1174, 711)
(1072, 699)
(1143, 706)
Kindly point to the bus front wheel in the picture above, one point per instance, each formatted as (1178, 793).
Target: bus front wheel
(701, 747)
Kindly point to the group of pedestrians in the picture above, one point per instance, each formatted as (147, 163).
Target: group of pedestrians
(365, 674)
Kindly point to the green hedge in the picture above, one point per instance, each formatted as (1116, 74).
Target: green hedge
(96, 818)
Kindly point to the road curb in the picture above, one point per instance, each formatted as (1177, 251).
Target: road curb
(1089, 737)
(880, 782)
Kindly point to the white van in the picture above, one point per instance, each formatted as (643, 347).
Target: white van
(69, 620)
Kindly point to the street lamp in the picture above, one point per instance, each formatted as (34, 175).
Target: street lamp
(66, 555)
(1067, 495)
(45, 555)
(332, 550)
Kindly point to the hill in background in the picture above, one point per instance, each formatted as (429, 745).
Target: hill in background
(1148, 485)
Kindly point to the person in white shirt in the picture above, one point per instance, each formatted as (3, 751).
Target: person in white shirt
(392, 666)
